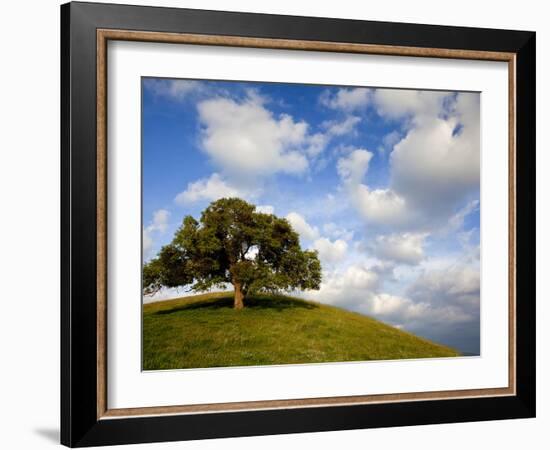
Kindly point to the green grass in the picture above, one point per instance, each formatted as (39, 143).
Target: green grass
(205, 331)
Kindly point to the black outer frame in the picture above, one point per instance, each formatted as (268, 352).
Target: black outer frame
(79, 423)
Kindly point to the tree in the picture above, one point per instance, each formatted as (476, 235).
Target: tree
(233, 243)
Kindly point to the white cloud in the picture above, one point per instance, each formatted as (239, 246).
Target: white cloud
(173, 89)
(449, 304)
(159, 224)
(375, 205)
(347, 287)
(266, 209)
(147, 243)
(354, 167)
(317, 142)
(438, 299)
(357, 277)
(388, 141)
(337, 232)
(456, 287)
(387, 305)
(246, 139)
(442, 305)
(160, 221)
(434, 167)
(300, 225)
(357, 287)
(340, 128)
(346, 99)
(405, 248)
(437, 164)
(209, 189)
(382, 206)
(399, 103)
(467, 109)
(330, 251)
(256, 96)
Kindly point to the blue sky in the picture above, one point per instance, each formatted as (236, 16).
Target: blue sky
(384, 183)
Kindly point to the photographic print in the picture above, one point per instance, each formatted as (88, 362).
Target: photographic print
(298, 224)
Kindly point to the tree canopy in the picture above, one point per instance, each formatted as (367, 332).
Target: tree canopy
(234, 243)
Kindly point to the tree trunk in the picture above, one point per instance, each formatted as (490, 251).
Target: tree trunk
(239, 296)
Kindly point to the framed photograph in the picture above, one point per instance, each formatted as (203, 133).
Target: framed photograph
(276, 224)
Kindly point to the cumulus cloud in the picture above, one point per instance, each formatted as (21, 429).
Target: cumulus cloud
(340, 128)
(403, 248)
(147, 243)
(388, 141)
(437, 164)
(435, 168)
(330, 251)
(318, 142)
(159, 224)
(434, 163)
(300, 225)
(160, 221)
(358, 287)
(244, 138)
(390, 306)
(176, 90)
(349, 286)
(400, 103)
(382, 206)
(452, 314)
(337, 232)
(209, 189)
(456, 288)
(353, 168)
(346, 99)
(442, 305)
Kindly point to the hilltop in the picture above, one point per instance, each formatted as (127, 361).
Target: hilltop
(205, 331)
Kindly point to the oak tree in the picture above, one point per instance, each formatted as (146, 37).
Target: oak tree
(233, 243)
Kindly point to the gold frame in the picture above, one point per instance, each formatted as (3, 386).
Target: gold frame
(104, 35)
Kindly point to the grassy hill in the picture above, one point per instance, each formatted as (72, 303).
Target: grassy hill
(205, 331)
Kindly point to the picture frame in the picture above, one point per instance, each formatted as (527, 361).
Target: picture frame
(86, 419)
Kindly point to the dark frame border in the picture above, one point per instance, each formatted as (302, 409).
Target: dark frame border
(80, 425)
